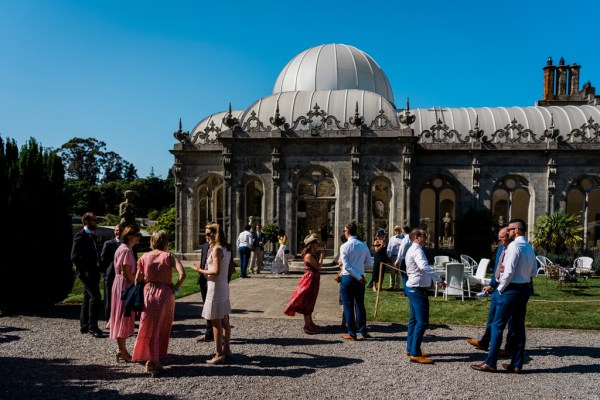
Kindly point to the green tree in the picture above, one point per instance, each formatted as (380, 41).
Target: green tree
(166, 221)
(34, 210)
(558, 232)
(83, 158)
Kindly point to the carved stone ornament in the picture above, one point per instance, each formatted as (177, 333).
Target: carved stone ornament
(208, 136)
(476, 134)
(406, 118)
(181, 136)
(514, 133)
(253, 124)
(317, 120)
(551, 134)
(228, 120)
(587, 133)
(277, 121)
(441, 133)
(357, 121)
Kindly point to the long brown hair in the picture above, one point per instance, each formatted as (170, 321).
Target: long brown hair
(217, 234)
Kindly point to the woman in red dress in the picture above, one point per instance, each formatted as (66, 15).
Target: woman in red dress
(305, 296)
(155, 268)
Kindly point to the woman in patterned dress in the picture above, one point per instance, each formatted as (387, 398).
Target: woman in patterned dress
(155, 268)
(305, 296)
(217, 306)
(121, 327)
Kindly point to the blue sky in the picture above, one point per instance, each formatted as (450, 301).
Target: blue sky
(125, 71)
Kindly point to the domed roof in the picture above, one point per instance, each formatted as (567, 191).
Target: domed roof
(333, 67)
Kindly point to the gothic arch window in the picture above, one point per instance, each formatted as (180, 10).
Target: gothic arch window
(583, 199)
(511, 199)
(315, 205)
(254, 201)
(437, 202)
(209, 194)
(380, 205)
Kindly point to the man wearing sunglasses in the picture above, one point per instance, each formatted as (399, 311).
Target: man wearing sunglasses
(512, 296)
(421, 277)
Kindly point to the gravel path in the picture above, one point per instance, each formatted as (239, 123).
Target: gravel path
(45, 357)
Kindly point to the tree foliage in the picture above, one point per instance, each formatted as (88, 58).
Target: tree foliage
(166, 221)
(38, 235)
(558, 232)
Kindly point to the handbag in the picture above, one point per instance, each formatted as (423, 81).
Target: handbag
(338, 277)
(133, 297)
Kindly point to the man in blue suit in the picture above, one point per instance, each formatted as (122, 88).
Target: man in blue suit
(484, 342)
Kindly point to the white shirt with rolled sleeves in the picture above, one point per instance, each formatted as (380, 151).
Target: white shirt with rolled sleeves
(392, 249)
(404, 246)
(245, 239)
(355, 256)
(519, 263)
(420, 273)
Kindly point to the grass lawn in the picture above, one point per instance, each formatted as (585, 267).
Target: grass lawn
(550, 307)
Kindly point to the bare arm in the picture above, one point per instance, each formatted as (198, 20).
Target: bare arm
(313, 262)
(217, 256)
(180, 271)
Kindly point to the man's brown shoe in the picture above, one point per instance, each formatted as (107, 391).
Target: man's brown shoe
(483, 367)
(475, 343)
(510, 368)
(347, 336)
(421, 360)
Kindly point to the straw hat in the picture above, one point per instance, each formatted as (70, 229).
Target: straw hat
(310, 238)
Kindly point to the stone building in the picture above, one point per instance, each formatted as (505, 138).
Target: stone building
(329, 146)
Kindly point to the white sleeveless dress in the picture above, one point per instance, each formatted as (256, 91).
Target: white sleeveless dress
(217, 304)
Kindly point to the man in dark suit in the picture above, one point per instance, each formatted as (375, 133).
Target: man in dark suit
(107, 265)
(86, 258)
(207, 336)
(258, 247)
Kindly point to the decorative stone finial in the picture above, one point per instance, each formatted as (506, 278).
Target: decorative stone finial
(278, 120)
(228, 120)
(181, 136)
(357, 120)
(406, 118)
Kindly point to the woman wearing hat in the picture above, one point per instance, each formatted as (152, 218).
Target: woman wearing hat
(305, 296)
(380, 249)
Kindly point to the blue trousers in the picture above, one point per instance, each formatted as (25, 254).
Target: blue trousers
(485, 339)
(353, 300)
(510, 304)
(404, 277)
(245, 253)
(419, 319)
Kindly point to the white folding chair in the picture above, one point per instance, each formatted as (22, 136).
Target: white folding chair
(479, 278)
(542, 261)
(454, 280)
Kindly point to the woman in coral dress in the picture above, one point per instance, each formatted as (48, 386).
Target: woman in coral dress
(155, 268)
(121, 326)
(305, 296)
(217, 306)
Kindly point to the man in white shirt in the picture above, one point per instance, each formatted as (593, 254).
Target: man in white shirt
(400, 263)
(512, 296)
(421, 277)
(392, 253)
(244, 245)
(354, 256)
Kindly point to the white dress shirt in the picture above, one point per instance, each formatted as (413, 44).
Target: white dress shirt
(404, 246)
(245, 239)
(392, 249)
(355, 256)
(420, 273)
(519, 263)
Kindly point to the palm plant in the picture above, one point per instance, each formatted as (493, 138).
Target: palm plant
(557, 232)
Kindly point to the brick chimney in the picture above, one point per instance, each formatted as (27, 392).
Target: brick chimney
(574, 79)
(549, 72)
(561, 79)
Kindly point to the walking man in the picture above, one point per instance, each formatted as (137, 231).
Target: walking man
(484, 342)
(86, 258)
(420, 278)
(354, 257)
(258, 247)
(512, 296)
(244, 245)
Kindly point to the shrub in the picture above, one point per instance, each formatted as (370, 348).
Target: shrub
(270, 231)
(166, 221)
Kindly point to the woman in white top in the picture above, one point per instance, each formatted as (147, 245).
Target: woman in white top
(217, 306)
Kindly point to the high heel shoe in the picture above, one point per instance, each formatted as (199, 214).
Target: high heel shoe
(153, 369)
(216, 360)
(122, 358)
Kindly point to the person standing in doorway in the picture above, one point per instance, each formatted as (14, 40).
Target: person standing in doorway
(244, 246)
(86, 258)
(258, 248)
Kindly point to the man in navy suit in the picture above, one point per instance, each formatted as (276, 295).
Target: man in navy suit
(107, 265)
(484, 342)
(258, 245)
(86, 258)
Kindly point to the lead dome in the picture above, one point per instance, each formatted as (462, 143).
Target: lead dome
(333, 67)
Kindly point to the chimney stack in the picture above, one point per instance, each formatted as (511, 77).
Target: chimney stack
(561, 79)
(549, 72)
(574, 79)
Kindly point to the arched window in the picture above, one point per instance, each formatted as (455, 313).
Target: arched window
(380, 206)
(254, 198)
(210, 204)
(583, 199)
(510, 200)
(437, 209)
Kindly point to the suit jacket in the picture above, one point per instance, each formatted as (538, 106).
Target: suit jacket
(107, 258)
(493, 282)
(84, 253)
(203, 257)
(256, 241)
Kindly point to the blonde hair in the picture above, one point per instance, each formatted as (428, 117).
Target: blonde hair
(159, 240)
(218, 236)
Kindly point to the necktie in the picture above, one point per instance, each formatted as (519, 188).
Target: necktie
(500, 268)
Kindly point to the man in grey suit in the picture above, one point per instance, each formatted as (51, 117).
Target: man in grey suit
(107, 266)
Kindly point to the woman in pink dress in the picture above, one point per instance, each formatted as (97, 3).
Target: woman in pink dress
(121, 327)
(155, 268)
(216, 305)
(305, 296)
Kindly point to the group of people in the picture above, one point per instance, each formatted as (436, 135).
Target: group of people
(153, 270)
(511, 286)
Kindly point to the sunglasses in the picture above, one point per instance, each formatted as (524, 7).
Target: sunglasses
(209, 234)
(421, 235)
(512, 229)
